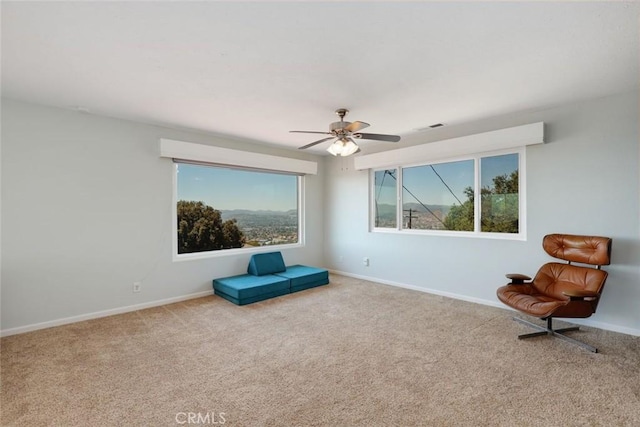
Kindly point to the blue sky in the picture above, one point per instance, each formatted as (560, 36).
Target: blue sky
(225, 189)
(496, 166)
(425, 184)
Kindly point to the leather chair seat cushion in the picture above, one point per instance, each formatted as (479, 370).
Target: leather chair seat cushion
(527, 299)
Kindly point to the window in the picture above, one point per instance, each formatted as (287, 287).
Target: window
(434, 196)
(220, 208)
(385, 198)
(499, 194)
(476, 195)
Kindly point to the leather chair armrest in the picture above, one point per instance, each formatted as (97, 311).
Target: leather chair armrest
(517, 279)
(578, 295)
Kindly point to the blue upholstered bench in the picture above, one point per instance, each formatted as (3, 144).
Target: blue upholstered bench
(268, 277)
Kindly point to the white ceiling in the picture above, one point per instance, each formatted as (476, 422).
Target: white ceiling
(257, 70)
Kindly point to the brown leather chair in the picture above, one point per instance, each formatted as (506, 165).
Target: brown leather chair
(559, 289)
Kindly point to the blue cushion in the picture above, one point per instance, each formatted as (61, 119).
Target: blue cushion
(247, 288)
(251, 300)
(267, 263)
(303, 277)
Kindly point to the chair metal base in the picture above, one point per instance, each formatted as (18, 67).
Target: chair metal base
(558, 333)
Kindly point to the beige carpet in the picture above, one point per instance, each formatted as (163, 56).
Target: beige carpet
(353, 353)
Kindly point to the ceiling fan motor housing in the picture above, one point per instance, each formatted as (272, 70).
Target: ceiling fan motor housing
(338, 126)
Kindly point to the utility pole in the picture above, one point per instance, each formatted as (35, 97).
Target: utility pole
(410, 217)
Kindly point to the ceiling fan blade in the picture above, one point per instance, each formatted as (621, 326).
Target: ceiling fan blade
(377, 137)
(310, 131)
(316, 142)
(356, 126)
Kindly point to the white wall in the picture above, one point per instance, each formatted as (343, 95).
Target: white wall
(584, 180)
(86, 211)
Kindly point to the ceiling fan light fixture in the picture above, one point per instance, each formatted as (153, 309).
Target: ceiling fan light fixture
(343, 147)
(335, 149)
(349, 148)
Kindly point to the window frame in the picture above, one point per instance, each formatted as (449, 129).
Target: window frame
(476, 233)
(233, 251)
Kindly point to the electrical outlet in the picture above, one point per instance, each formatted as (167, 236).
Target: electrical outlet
(365, 261)
(137, 286)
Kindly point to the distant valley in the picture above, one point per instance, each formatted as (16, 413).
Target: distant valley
(265, 227)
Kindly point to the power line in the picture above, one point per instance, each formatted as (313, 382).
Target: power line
(445, 184)
(382, 183)
(418, 200)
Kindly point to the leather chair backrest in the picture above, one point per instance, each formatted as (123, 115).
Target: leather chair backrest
(592, 250)
(553, 278)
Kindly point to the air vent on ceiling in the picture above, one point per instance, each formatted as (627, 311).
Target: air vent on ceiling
(434, 126)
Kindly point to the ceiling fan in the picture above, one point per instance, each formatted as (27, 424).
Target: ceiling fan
(344, 133)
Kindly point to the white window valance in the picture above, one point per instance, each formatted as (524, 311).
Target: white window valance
(187, 151)
(514, 137)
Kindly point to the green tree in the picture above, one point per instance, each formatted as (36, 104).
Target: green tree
(232, 234)
(460, 217)
(200, 228)
(498, 207)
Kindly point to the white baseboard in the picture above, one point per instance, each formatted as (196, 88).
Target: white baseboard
(585, 322)
(99, 314)
(127, 309)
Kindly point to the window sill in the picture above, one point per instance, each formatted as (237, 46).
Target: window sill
(448, 233)
(231, 252)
